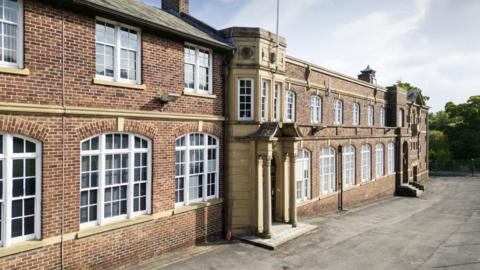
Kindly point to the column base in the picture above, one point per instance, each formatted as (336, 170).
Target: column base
(265, 235)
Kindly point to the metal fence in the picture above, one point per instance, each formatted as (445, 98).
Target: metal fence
(455, 167)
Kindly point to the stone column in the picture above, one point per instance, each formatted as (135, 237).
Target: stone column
(259, 202)
(267, 198)
(293, 191)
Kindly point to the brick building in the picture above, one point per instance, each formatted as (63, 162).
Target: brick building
(127, 131)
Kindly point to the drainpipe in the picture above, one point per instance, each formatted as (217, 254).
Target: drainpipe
(225, 69)
(62, 226)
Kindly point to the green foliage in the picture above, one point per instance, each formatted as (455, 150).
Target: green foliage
(455, 132)
(407, 86)
(439, 147)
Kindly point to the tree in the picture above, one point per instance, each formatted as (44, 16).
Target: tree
(409, 87)
(463, 131)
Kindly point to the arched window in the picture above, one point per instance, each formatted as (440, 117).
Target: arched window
(20, 189)
(370, 115)
(327, 170)
(356, 114)
(366, 163)
(391, 158)
(115, 179)
(303, 175)
(400, 118)
(289, 106)
(379, 156)
(338, 112)
(382, 117)
(316, 109)
(348, 165)
(196, 168)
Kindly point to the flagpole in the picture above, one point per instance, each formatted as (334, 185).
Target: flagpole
(278, 40)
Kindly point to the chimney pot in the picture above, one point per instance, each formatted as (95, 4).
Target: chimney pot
(179, 6)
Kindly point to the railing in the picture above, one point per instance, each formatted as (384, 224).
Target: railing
(456, 167)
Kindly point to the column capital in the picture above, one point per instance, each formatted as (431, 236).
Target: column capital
(286, 157)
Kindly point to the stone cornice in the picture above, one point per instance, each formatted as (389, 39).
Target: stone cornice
(21, 108)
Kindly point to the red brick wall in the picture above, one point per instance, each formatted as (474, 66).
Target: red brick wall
(162, 67)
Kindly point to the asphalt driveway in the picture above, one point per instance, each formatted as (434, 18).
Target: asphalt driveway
(441, 230)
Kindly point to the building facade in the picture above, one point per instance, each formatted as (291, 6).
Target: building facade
(127, 131)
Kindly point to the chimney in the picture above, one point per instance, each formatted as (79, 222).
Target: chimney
(367, 75)
(179, 6)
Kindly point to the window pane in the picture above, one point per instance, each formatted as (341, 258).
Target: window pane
(18, 168)
(17, 227)
(18, 146)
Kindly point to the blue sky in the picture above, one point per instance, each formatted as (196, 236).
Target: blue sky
(433, 44)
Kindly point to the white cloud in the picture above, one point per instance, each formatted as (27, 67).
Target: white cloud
(433, 44)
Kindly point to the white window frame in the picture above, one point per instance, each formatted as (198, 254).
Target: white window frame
(264, 100)
(379, 160)
(338, 112)
(348, 166)
(196, 69)
(277, 94)
(382, 117)
(102, 152)
(356, 114)
(370, 116)
(117, 48)
(252, 101)
(19, 64)
(205, 147)
(7, 158)
(289, 106)
(316, 110)
(303, 175)
(327, 170)
(366, 162)
(391, 158)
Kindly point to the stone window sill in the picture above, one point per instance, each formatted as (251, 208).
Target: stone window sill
(200, 95)
(119, 84)
(194, 206)
(15, 71)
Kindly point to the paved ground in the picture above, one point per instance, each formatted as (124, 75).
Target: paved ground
(441, 230)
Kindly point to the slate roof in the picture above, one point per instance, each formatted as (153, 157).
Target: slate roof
(178, 24)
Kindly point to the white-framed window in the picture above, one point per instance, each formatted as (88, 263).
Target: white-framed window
(391, 158)
(118, 48)
(379, 156)
(198, 69)
(316, 110)
(303, 175)
(327, 170)
(400, 118)
(356, 114)
(382, 117)
(264, 100)
(289, 106)
(276, 101)
(348, 165)
(245, 99)
(196, 168)
(338, 112)
(11, 35)
(366, 163)
(115, 178)
(370, 115)
(20, 189)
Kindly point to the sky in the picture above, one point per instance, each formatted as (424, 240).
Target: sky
(432, 44)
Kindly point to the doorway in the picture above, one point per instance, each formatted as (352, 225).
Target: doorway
(273, 179)
(405, 162)
(415, 172)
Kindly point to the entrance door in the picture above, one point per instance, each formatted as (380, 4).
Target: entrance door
(405, 162)
(273, 174)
